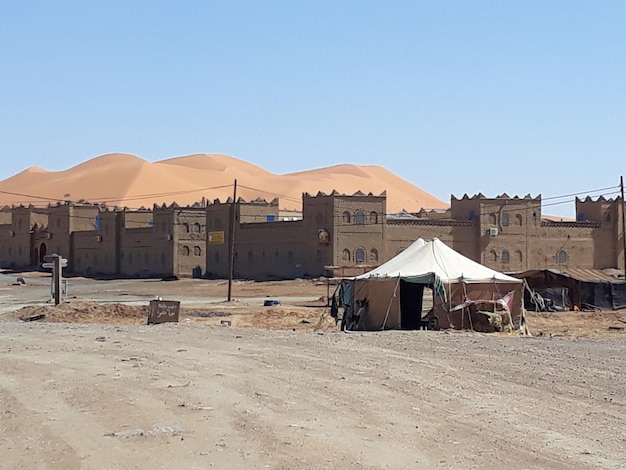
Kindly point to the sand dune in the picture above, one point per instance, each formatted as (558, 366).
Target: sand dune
(127, 180)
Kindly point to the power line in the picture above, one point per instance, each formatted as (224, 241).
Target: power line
(174, 193)
(289, 198)
(569, 202)
(29, 195)
(104, 199)
(616, 188)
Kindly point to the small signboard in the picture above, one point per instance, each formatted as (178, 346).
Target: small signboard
(216, 238)
(50, 264)
(162, 311)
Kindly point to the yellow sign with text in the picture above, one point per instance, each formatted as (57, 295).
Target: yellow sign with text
(216, 238)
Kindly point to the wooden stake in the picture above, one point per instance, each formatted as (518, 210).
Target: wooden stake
(56, 272)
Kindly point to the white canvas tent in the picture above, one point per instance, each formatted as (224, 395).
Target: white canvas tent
(394, 291)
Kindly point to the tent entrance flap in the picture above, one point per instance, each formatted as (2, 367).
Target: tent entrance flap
(411, 299)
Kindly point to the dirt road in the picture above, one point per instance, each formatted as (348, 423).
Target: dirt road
(93, 387)
(198, 396)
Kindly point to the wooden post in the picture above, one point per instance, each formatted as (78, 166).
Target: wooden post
(56, 272)
(327, 292)
(231, 254)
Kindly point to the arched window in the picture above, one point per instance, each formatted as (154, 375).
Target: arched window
(346, 217)
(493, 256)
(518, 256)
(561, 257)
(373, 217)
(505, 256)
(518, 219)
(186, 227)
(493, 219)
(184, 250)
(345, 255)
(359, 218)
(374, 254)
(196, 227)
(505, 219)
(359, 255)
(197, 251)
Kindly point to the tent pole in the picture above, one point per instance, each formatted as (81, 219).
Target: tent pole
(390, 302)
(469, 311)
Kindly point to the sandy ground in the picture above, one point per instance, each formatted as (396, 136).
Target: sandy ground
(92, 386)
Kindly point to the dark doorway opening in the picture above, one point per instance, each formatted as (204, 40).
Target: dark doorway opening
(411, 297)
(43, 251)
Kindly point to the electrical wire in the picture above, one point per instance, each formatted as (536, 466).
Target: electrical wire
(604, 192)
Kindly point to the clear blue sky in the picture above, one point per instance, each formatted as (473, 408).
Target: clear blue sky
(454, 96)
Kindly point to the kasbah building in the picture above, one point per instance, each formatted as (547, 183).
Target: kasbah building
(335, 234)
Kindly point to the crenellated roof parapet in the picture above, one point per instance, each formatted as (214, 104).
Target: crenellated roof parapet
(599, 199)
(503, 196)
(335, 193)
(259, 201)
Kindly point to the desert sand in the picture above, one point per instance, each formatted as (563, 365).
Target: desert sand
(92, 386)
(127, 180)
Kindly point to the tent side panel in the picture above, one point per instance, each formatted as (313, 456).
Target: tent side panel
(487, 291)
(380, 295)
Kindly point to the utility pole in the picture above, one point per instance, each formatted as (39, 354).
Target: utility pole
(623, 204)
(231, 254)
(56, 272)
